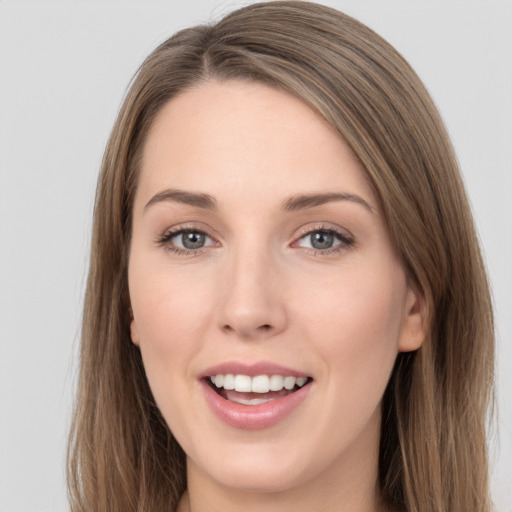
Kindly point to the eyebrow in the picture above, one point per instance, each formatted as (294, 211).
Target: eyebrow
(181, 196)
(305, 201)
(294, 203)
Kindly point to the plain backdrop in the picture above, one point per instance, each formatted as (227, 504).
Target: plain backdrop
(64, 68)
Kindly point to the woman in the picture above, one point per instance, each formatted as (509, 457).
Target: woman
(286, 305)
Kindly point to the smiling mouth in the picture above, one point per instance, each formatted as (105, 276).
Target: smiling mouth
(246, 390)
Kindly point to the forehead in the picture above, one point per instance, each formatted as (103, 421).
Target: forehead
(245, 138)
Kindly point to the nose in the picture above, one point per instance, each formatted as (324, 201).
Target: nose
(251, 305)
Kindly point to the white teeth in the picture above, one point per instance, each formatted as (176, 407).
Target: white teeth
(276, 383)
(252, 401)
(229, 382)
(289, 382)
(243, 383)
(258, 384)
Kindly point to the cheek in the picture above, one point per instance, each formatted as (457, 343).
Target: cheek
(170, 315)
(165, 302)
(355, 324)
(166, 311)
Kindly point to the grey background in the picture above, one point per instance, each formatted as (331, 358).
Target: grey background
(64, 67)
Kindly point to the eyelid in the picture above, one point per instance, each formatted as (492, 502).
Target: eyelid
(165, 238)
(345, 237)
(323, 226)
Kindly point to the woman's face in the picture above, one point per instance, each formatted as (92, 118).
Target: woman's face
(260, 259)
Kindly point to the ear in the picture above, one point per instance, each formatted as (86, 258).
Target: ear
(415, 323)
(134, 330)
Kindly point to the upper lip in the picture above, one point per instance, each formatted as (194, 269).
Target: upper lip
(251, 369)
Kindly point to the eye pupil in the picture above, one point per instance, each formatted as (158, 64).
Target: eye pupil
(192, 239)
(322, 240)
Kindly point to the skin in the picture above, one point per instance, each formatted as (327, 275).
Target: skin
(258, 291)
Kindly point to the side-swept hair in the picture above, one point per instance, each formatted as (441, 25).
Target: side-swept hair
(433, 455)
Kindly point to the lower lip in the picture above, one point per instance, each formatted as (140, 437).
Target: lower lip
(253, 417)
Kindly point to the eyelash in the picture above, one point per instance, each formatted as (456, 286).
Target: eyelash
(165, 240)
(346, 241)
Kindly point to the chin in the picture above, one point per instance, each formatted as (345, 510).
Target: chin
(247, 478)
(256, 470)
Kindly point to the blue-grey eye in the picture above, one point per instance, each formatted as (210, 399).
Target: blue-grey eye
(321, 240)
(189, 240)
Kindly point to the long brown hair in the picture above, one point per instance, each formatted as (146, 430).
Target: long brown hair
(433, 456)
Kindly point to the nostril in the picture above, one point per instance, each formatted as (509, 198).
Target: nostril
(249, 329)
